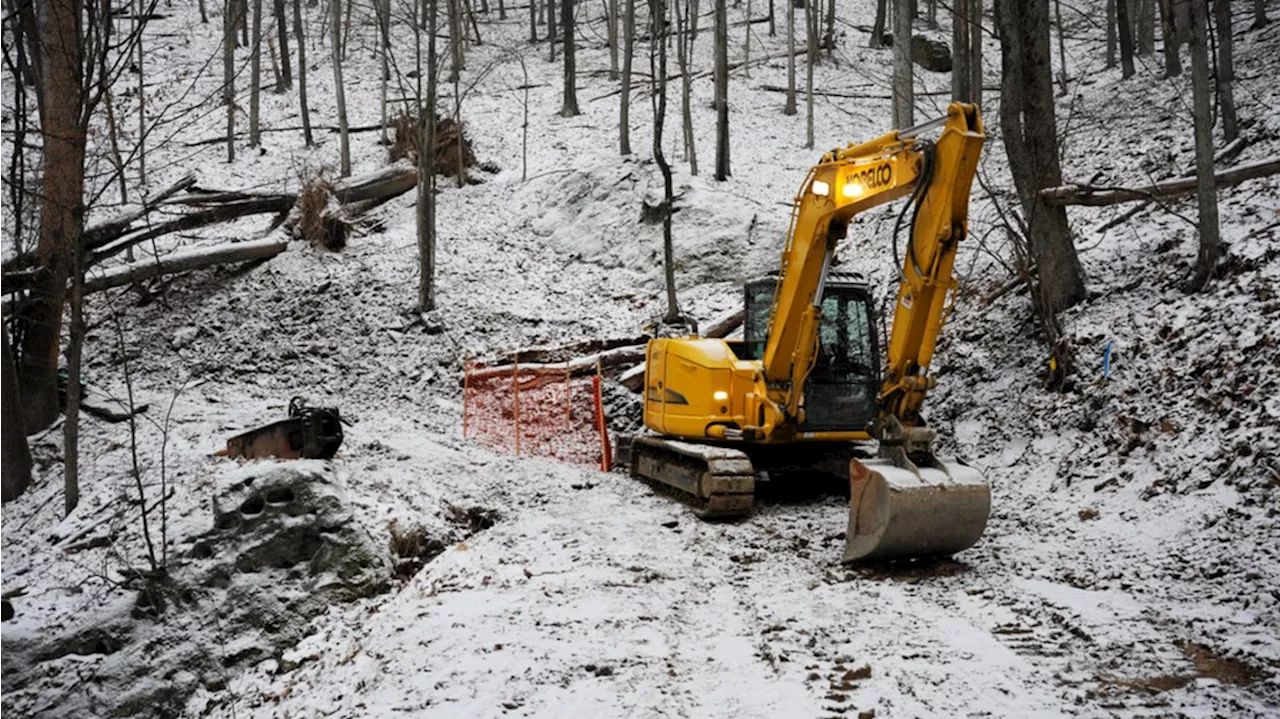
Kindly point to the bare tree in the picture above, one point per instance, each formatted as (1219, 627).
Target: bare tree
(811, 56)
(426, 213)
(877, 28)
(684, 48)
(628, 53)
(903, 89)
(1169, 29)
(1062, 48)
(139, 24)
(1028, 125)
(722, 87)
(255, 74)
(229, 20)
(611, 14)
(1110, 18)
(1226, 70)
(829, 35)
(960, 55)
(16, 454)
(975, 51)
(1207, 192)
(1124, 29)
(1146, 22)
(339, 89)
(658, 84)
(301, 35)
(551, 28)
(533, 21)
(790, 107)
(282, 39)
(1259, 14)
(61, 212)
(383, 9)
(570, 107)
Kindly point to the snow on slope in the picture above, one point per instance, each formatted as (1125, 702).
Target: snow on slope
(1132, 549)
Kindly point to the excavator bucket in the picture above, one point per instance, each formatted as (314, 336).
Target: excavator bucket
(899, 509)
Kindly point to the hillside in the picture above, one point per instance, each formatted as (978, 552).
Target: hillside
(1131, 566)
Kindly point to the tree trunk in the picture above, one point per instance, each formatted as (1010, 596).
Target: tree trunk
(1110, 19)
(533, 21)
(1124, 29)
(229, 72)
(570, 107)
(383, 8)
(975, 51)
(282, 39)
(339, 90)
(426, 215)
(658, 80)
(903, 83)
(684, 47)
(811, 56)
(628, 53)
(829, 39)
(1169, 29)
(960, 75)
(16, 454)
(877, 28)
(1031, 144)
(1146, 27)
(75, 345)
(142, 100)
(1207, 192)
(1226, 70)
(1259, 14)
(612, 14)
(301, 36)
(790, 107)
(255, 74)
(721, 90)
(61, 212)
(773, 23)
(1062, 48)
(551, 28)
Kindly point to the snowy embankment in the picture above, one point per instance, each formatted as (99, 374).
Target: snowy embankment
(1130, 567)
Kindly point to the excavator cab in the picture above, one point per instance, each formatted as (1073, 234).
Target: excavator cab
(840, 393)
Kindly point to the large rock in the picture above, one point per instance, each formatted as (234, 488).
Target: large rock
(932, 55)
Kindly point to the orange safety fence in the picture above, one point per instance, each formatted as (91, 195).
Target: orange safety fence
(539, 411)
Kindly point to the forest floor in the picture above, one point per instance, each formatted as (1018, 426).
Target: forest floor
(1131, 566)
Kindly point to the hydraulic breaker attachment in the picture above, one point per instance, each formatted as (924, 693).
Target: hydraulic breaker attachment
(897, 508)
(308, 433)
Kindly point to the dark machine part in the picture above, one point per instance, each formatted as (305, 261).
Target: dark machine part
(308, 433)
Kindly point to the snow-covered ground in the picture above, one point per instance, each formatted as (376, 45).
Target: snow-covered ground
(1130, 566)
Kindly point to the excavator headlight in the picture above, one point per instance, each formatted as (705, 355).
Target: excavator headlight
(720, 395)
(821, 188)
(853, 189)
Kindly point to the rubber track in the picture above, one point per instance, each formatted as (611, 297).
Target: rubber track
(717, 482)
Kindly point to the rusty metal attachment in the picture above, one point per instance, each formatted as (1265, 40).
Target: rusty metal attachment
(308, 433)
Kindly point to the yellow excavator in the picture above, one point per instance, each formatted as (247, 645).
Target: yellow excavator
(803, 391)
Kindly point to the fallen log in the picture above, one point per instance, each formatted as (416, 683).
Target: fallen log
(723, 326)
(1093, 195)
(1226, 154)
(580, 365)
(565, 353)
(195, 259)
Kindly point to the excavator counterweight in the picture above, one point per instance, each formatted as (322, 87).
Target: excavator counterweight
(806, 391)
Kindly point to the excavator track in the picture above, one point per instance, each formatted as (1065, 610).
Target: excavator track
(717, 482)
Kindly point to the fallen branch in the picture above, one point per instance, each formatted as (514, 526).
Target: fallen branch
(184, 262)
(1093, 195)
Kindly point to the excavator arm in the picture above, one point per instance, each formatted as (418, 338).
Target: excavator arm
(843, 184)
